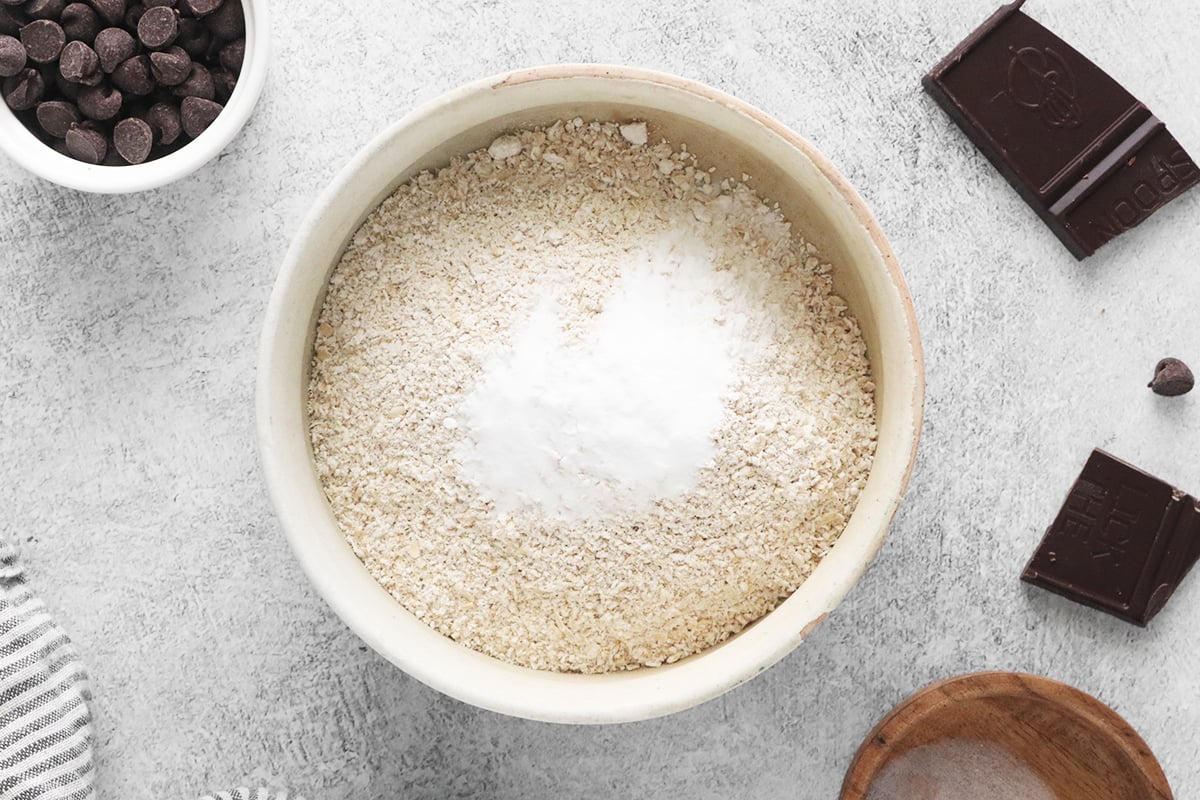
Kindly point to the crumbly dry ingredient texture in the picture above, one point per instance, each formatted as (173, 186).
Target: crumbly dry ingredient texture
(435, 283)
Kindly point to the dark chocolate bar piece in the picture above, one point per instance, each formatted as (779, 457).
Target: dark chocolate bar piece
(1122, 543)
(1083, 152)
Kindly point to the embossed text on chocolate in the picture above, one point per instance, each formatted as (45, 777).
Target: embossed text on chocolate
(1171, 175)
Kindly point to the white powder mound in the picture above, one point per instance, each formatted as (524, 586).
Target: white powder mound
(580, 407)
(620, 418)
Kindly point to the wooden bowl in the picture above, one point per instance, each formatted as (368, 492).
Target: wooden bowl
(1037, 737)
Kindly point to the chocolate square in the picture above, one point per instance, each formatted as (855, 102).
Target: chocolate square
(1080, 149)
(1122, 542)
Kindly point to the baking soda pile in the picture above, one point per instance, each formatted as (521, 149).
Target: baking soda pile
(580, 407)
(620, 418)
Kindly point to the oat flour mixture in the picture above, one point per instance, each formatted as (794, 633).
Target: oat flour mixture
(581, 408)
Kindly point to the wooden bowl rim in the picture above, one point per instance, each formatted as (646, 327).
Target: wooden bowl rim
(876, 750)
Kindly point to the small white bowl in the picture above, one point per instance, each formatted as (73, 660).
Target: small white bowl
(26, 149)
(723, 132)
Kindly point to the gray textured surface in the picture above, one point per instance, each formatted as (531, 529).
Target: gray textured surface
(129, 330)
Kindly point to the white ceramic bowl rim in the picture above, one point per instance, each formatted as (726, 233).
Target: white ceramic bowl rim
(34, 155)
(478, 679)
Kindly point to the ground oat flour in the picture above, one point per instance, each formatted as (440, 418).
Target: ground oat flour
(580, 407)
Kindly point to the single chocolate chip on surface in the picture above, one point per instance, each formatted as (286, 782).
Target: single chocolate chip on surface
(114, 45)
(227, 22)
(1172, 378)
(201, 7)
(132, 139)
(100, 102)
(79, 63)
(199, 83)
(171, 67)
(80, 22)
(133, 75)
(43, 40)
(23, 90)
(12, 56)
(197, 114)
(86, 145)
(165, 122)
(56, 117)
(44, 9)
(158, 27)
(113, 11)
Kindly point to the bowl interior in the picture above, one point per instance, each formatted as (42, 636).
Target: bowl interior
(724, 134)
(1005, 729)
(33, 154)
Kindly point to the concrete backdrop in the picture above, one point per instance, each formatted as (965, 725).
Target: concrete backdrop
(128, 468)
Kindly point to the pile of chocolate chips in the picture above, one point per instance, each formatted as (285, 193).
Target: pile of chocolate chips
(117, 82)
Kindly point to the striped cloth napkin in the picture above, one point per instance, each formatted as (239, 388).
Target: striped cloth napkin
(46, 734)
(45, 725)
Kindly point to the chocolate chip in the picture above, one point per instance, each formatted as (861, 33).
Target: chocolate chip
(133, 75)
(66, 89)
(12, 56)
(44, 9)
(1172, 378)
(79, 64)
(56, 117)
(113, 159)
(199, 83)
(227, 22)
(43, 40)
(11, 20)
(23, 90)
(232, 55)
(201, 7)
(133, 15)
(114, 45)
(194, 37)
(158, 27)
(113, 11)
(80, 22)
(165, 122)
(86, 145)
(133, 139)
(197, 114)
(224, 83)
(100, 102)
(171, 67)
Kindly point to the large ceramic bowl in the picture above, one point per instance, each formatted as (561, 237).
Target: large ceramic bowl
(723, 132)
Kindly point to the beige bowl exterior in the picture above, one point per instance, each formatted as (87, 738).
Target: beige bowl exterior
(723, 132)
